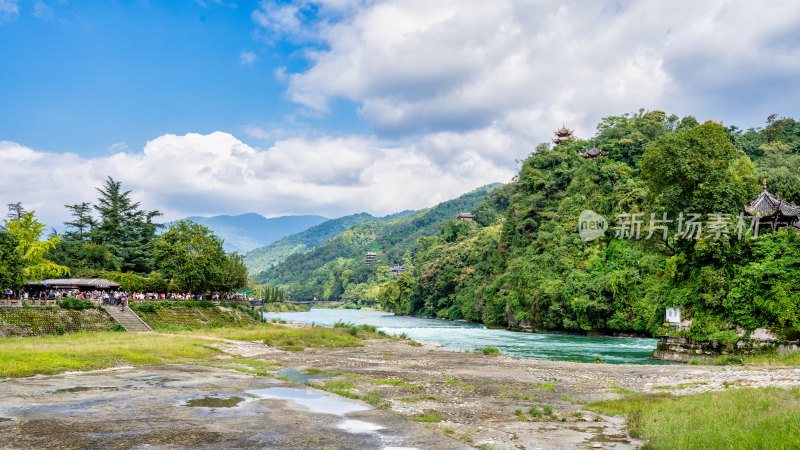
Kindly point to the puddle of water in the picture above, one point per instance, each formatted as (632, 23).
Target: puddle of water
(358, 426)
(74, 389)
(300, 376)
(93, 388)
(312, 401)
(214, 402)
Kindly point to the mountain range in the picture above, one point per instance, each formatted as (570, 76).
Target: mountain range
(246, 232)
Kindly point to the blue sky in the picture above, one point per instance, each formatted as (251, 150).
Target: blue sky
(340, 106)
(85, 76)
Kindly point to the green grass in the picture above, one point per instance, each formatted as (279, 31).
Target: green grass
(772, 359)
(400, 383)
(466, 386)
(545, 386)
(428, 418)
(729, 419)
(491, 351)
(289, 338)
(516, 395)
(336, 384)
(20, 357)
(574, 400)
(535, 412)
(417, 399)
(520, 415)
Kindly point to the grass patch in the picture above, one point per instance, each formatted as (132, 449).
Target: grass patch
(546, 386)
(400, 383)
(491, 351)
(678, 387)
(374, 399)
(520, 415)
(773, 359)
(516, 395)
(535, 412)
(573, 400)
(335, 384)
(21, 357)
(736, 418)
(417, 399)
(292, 339)
(428, 418)
(466, 386)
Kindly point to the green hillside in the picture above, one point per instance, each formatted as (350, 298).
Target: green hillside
(267, 256)
(531, 268)
(336, 269)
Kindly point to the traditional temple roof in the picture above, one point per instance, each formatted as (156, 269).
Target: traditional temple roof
(768, 205)
(562, 135)
(75, 283)
(593, 152)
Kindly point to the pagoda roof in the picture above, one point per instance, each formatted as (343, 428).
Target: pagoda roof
(593, 152)
(564, 131)
(768, 204)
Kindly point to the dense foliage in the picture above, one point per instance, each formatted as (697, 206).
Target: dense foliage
(526, 265)
(337, 268)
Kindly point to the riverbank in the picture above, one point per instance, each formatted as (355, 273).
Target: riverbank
(417, 395)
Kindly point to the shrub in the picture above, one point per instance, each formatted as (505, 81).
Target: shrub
(491, 351)
(75, 303)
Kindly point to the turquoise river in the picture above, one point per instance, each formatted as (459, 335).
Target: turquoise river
(461, 336)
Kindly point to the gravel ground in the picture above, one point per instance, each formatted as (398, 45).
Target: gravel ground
(475, 395)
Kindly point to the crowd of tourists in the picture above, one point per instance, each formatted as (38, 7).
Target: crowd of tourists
(122, 298)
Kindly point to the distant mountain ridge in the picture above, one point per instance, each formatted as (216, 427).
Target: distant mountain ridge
(267, 256)
(246, 232)
(337, 269)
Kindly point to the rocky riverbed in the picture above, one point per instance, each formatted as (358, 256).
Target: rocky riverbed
(471, 400)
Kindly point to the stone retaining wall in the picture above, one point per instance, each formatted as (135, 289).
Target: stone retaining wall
(683, 349)
(48, 321)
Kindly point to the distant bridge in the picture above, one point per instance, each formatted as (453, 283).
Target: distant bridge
(306, 302)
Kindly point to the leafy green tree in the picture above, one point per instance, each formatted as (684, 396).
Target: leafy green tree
(233, 273)
(11, 264)
(28, 232)
(191, 256)
(698, 171)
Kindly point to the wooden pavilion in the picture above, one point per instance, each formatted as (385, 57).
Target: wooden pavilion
(772, 211)
(593, 152)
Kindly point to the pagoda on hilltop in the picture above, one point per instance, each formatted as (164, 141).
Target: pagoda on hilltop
(772, 211)
(593, 152)
(563, 135)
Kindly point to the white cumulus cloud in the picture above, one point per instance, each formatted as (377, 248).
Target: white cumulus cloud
(521, 67)
(217, 173)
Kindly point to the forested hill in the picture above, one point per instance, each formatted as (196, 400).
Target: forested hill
(336, 269)
(267, 256)
(530, 268)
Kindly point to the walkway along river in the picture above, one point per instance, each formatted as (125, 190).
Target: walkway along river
(461, 336)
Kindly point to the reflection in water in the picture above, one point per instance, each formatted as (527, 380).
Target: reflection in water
(463, 336)
(214, 402)
(313, 401)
